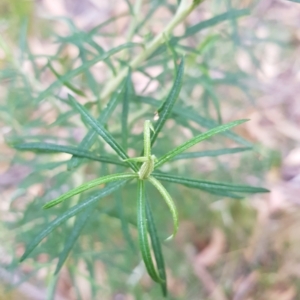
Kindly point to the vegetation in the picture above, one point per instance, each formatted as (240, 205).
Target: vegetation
(103, 103)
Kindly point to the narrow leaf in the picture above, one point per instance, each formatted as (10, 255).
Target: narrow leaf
(70, 213)
(143, 232)
(210, 90)
(101, 51)
(165, 110)
(125, 111)
(195, 140)
(189, 114)
(54, 148)
(156, 249)
(88, 185)
(208, 153)
(91, 136)
(65, 83)
(79, 224)
(88, 76)
(233, 14)
(221, 193)
(169, 202)
(207, 185)
(67, 77)
(108, 138)
(123, 220)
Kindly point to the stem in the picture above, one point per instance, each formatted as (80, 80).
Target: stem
(134, 20)
(147, 140)
(184, 9)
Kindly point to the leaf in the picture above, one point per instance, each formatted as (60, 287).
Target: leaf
(91, 268)
(123, 220)
(125, 111)
(221, 193)
(156, 249)
(67, 77)
(101, 51)
(233, 14)
(108, 138)
(165, 194)
(201, 137)
(210, 90)
(79, 224)
(131, 11)
(208, 153)
(88, 76)
(296, 1)
(88, 185)
(65, 83)
(173, 53)
(165, 110)
(91, 136)
(54, 148)
(143, 232)
(51, 287)
(189, 114)
(70, 213)
(210, 185)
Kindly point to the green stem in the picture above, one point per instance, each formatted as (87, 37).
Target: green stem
(184, 9)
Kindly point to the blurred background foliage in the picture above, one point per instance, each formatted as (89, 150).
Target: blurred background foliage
(241, 62)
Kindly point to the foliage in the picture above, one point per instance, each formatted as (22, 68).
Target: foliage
(102, 151)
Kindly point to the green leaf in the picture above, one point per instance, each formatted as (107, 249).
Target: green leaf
(143, 232)
(201, 137)
(54, 148)
(88, 76)
(108, 138)
(156, 248)
(125, 111)
(91, 136)
(210, 90)
(70, 213)
(169, 202)
(209, 185)
(67, 77)
(65, 83)
(233, 14)
(123, 220)
(165, 110)
(88, 185)
(51, 287)
(101, 51)
(79, 224)
(208, 153)
(189, 114)
(221, 193)
(131, 11)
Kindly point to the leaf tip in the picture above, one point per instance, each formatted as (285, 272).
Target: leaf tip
(47, 205)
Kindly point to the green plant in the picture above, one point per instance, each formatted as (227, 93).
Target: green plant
(143, 173)
(164, 51)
